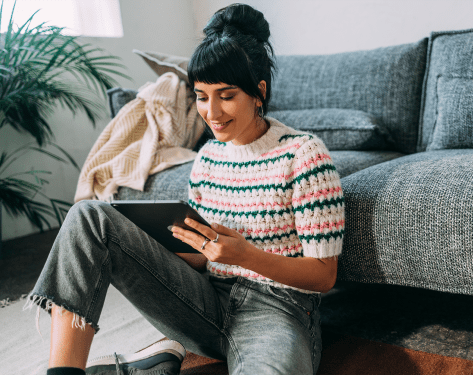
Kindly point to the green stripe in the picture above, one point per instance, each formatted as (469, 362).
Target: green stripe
(240, 214)
(320, 236)
(273, 237)
(247, 163)
(218, 143)
(312, 205)
(284, 187)
(296, 255)
(321, 169)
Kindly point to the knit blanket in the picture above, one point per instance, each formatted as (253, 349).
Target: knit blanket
(155, 131)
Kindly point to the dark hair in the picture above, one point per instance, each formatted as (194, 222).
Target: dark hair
(236, 51)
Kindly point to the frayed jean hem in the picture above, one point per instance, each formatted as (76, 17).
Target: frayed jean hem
(46, 303)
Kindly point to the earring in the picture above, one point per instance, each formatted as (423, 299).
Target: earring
(260, 111)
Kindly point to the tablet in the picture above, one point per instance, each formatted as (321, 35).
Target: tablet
(157, 217)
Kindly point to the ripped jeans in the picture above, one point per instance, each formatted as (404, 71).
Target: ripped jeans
(256, 328)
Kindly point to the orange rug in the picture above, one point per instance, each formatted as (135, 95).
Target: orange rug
(346, 355)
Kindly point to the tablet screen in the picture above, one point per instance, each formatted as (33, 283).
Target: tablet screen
(157, 217)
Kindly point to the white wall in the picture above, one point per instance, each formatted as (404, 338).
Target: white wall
(331, 26)
(298, 27)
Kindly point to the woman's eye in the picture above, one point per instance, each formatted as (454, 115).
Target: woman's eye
(227, 98)
(201, 99)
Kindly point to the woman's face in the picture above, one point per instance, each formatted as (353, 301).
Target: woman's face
(229, 112)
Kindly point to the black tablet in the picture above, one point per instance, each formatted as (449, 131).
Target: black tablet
(157, 217)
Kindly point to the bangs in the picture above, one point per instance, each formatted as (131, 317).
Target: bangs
(221, 61)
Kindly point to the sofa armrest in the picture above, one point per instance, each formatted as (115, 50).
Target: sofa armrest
(409, 222)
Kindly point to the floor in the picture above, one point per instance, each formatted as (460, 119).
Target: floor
(418, 319)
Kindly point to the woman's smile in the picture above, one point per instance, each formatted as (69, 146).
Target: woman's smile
(218, 126)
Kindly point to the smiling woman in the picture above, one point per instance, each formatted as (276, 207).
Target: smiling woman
(276, 206)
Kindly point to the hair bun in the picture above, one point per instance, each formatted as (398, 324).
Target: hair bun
(240, 17)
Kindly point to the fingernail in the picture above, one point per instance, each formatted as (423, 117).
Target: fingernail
(170, 228)
(214, 225)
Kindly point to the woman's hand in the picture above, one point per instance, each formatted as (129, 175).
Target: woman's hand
(228, 248)
(231, 248)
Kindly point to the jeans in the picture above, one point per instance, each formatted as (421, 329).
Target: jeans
(257, 328)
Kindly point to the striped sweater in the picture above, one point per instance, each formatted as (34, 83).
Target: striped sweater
(281, 192)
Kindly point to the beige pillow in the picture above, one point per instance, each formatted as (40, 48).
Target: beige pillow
(162, 63)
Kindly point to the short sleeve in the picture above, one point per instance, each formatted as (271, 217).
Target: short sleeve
(317, 201)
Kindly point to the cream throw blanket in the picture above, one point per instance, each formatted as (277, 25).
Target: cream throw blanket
(155, 131)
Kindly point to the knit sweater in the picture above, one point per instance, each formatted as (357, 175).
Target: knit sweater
(281, 192)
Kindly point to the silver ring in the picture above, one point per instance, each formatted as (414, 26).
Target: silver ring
(205, 243)
(215, 239)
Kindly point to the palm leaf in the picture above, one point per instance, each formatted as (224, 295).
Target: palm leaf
(18, 195)
(61, 208)
(36, 64)
(41, 67)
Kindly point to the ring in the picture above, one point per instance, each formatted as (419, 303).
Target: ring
(205, 243)
(215, 239)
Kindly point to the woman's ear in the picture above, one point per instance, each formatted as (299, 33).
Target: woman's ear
(262, 88)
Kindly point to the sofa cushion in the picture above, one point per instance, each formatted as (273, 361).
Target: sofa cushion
(384, 82)
(409, 222)
(118, 97)
(447, 113)
(339, 129)
(454, 123)
(348, 162)
(162, 63)
(172, 183)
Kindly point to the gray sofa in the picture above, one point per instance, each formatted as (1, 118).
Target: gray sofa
(398, 122)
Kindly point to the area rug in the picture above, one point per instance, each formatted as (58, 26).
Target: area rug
(347, 355)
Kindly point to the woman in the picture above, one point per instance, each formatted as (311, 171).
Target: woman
(274, 198)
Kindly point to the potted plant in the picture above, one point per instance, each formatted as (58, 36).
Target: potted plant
(40, 67)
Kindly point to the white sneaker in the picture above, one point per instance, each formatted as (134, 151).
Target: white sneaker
(162, 355)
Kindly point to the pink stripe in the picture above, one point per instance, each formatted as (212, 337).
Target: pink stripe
(266, 231)
(319, 227)
(215, 155)
(296, 145)
(317, 194)
(218, 205)
(288, 249)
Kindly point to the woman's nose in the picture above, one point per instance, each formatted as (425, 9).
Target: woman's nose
(214, 110)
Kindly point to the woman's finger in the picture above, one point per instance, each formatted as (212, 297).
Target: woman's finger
(204, 229)
(191, 238)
